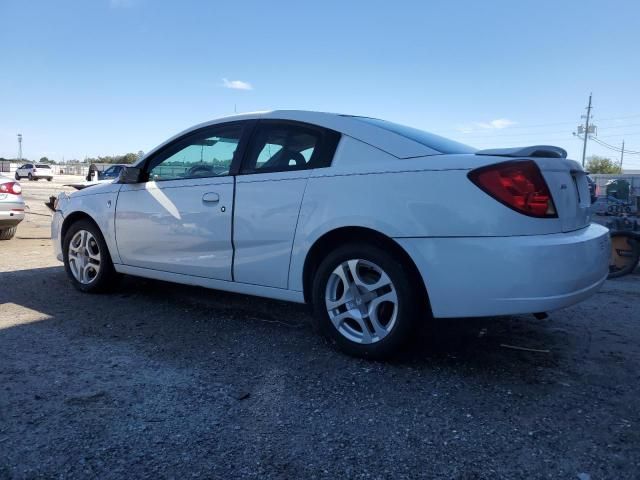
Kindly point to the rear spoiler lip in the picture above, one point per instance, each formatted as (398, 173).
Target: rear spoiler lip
(547, 151)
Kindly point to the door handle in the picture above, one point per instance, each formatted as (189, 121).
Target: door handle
(211, 197)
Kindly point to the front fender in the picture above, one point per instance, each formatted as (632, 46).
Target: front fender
(99, 207)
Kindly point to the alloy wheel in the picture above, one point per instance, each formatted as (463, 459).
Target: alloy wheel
(84, 257)
(361, 301)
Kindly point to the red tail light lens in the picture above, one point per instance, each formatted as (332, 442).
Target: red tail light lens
(519, 185)
(13, 188)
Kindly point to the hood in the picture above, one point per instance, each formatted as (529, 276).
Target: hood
(97, 188)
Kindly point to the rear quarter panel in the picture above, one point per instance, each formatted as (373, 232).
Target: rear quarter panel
(402, 198)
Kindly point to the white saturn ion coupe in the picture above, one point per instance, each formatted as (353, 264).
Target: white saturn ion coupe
(376, 225)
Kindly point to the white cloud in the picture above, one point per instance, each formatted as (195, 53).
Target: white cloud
(236, 84)
(497, 124)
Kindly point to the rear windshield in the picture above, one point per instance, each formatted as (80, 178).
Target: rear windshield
(43, 166)
(435, 142)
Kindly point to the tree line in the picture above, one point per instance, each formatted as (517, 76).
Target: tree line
(126, 158)
(597, 164)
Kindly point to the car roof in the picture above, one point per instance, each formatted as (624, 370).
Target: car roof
(381, 138)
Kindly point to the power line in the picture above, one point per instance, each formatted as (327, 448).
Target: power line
(636, 115)
(614, 148)
(623, 134)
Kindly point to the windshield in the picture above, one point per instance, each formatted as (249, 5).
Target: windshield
(435, 142)
(43, 166)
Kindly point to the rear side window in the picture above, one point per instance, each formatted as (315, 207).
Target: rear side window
(435, 142)
(282, 146)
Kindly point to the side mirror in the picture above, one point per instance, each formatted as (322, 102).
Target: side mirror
(130, 175)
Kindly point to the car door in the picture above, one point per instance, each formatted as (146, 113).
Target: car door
(269, 192)
(179, 220)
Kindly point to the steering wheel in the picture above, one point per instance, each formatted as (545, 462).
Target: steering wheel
(200, 170)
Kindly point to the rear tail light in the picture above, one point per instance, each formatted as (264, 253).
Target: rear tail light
(13, 188)
(519, 185)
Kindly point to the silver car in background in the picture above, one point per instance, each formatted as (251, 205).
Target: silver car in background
(11, 207)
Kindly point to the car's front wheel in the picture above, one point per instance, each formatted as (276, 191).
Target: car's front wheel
(86, 258)
(30, 177)
(365, 302)
(17, 176)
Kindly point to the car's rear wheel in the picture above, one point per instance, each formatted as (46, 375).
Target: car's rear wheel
(8, 233)
(364, 301)
(86, 258)
(49, 179)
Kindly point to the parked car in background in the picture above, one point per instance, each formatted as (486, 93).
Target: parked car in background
(353, 215)
(11, 207)
(112, 172)
(34, 171)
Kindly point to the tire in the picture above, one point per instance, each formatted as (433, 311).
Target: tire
(8, 233)
(30, 177)
(49, 179)
(397, 318)
(97, 277)
(17, 176)
(625, 253)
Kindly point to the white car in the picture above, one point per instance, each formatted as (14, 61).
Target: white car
(34, 171)
(11, 207)
(378, 226)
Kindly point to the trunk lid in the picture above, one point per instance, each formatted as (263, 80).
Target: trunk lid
(566, 179)
(570, 190)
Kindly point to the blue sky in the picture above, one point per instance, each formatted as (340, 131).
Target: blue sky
(100, 77)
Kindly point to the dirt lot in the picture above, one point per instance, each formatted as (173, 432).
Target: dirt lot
(165, 381)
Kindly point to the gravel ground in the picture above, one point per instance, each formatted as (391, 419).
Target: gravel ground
(166, 381)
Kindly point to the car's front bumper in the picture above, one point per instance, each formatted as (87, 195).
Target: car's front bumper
(486, 276)
(56, 236)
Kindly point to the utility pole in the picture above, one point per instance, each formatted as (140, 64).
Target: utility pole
(586, 131)
(621, 155)
(19, 147)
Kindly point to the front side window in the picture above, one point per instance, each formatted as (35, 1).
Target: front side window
(207, 154)
(277, 147)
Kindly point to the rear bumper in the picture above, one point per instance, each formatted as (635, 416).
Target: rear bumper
(10, 218)
(487, 276)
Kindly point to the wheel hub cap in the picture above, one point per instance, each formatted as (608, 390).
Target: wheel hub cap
(84, 257)
(361, 301)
